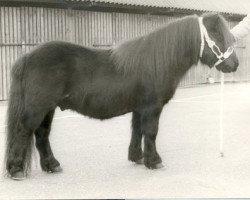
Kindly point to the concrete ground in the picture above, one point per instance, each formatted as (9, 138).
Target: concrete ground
(93, 153)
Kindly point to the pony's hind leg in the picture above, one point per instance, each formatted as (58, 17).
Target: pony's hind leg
(47, 159)
(135, 150)
(21, 125)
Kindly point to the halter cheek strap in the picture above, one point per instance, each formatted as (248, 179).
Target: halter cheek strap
(202, 36)
(215, 49)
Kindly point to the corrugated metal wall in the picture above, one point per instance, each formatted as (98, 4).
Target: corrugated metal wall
(22, 28)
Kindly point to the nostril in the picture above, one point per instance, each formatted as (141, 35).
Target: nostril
(236, 63)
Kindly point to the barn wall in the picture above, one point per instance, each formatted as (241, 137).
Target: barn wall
(22, 28)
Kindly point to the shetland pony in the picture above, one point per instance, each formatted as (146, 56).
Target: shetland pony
(138, 76)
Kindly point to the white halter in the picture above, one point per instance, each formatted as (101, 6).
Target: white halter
(215, 49)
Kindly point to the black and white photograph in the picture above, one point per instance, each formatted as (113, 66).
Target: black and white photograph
(125, 99)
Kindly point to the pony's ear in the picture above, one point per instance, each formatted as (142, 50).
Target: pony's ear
(211, 21)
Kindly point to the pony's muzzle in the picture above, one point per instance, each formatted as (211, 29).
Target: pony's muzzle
(235, 66)
(228, 66)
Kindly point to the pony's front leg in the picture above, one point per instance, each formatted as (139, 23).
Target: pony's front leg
(149, 127)
(135, 151)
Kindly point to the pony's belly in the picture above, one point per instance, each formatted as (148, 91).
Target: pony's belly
(104, 112)
(98, 108)
(97, 114)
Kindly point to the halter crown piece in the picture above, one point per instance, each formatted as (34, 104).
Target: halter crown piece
(215, 49)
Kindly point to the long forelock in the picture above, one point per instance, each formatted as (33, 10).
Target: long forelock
(224, 30)
(160, 50)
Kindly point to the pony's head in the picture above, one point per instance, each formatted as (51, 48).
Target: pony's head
(217, 43)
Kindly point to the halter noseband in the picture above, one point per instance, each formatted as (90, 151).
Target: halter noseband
(215, 49)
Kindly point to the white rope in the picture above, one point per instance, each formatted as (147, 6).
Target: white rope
(221, 113)
(221, 57)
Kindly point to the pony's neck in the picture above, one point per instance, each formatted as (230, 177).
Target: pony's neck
(168, 51)
(189, 44)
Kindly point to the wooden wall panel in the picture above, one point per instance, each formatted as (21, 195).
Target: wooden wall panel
(10, 47)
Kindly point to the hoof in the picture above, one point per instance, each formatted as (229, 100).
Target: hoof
(57, 169)
(157, 166)
(18, 176)
(140, 162)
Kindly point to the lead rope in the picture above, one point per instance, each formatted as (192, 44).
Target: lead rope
(204, 36)
(221, 113)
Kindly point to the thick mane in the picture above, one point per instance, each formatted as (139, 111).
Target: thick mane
(168, 48)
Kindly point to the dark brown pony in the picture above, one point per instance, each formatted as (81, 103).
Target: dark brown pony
(138, 76)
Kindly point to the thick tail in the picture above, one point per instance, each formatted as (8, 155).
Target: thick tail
(19, 140)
